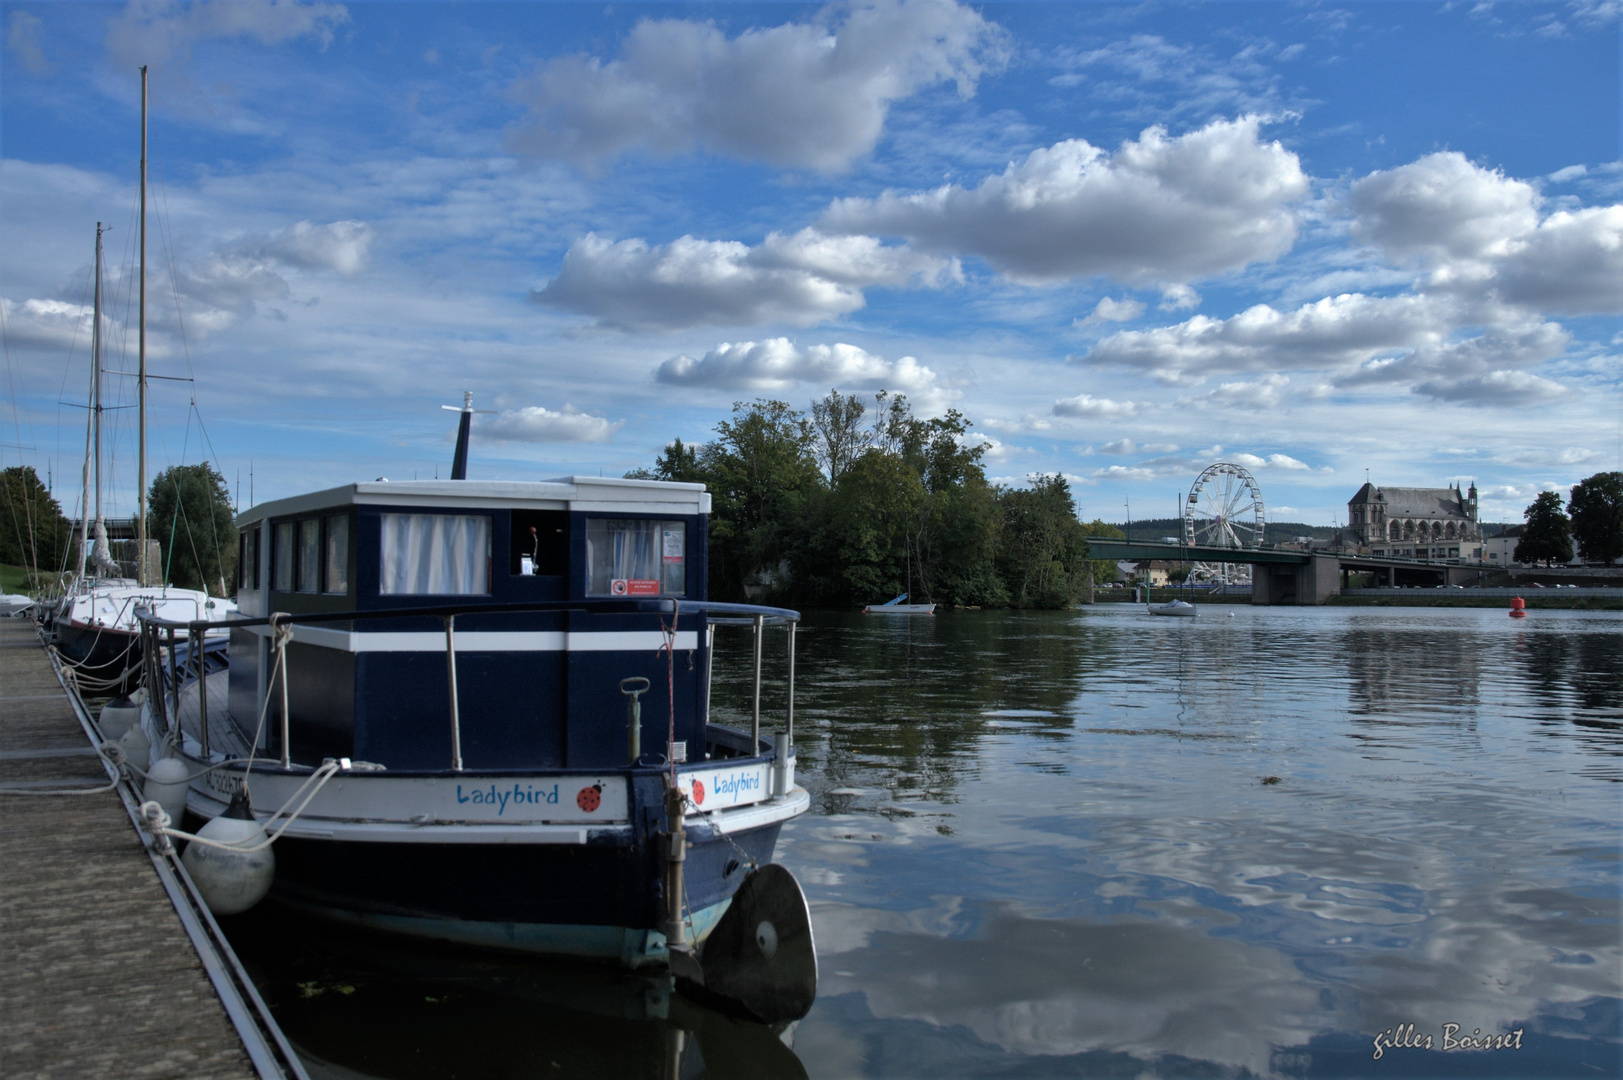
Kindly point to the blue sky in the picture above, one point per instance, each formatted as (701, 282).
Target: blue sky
(1127, 241)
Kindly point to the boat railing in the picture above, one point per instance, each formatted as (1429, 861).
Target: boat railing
(160, 637)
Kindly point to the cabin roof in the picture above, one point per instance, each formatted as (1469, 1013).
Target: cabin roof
(586, 493)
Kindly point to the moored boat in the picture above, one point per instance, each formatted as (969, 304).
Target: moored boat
(1175, 608)
(897, 607)
(497, 697)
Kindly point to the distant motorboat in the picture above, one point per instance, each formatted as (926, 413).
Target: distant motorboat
(896, 607)
(1176, 608)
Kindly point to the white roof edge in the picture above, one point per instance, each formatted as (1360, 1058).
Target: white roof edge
(563, 490)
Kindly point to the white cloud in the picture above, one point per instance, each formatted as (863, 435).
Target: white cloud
(22, 42)
(536, 424)
(1330, 333)
(1086, 406)
(162, 32)
(1127, 446)
(340, 246)
(1509, 388)
(55, 324)
(1496, 350)
(1160, 209)
(778, 364)
(1179, 298)
(1267, 392)
(1272, 461)
(1442, 206)
(1572, 264)
(801, 279)
(811, 95)
(1110, 310)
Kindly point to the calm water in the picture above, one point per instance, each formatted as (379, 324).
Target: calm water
(1100, 843)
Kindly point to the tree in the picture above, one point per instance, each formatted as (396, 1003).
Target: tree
(1597, 517)
(841, 438)
(1547, 536)
(762, 474)
(679, 462)
(189, 514)
(33, 532)
(1044, 550)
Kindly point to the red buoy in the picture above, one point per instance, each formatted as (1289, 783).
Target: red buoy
(1518, 608)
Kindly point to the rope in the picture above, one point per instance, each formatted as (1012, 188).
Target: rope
(669, 649)
(156, 821)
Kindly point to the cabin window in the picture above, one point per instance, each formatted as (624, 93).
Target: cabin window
(435, 554)
(253, 553)
(242, 559)
(309, 554)
(282, 581)
(638, 557)
(540, 542)
(335, 555)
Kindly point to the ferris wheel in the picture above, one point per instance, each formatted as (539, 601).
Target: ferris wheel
(1224, 510)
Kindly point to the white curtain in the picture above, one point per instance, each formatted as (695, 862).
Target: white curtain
(435, 554)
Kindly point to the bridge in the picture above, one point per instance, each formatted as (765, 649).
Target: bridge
(1282, 576)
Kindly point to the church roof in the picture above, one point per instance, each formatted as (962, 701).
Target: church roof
(1415, 502)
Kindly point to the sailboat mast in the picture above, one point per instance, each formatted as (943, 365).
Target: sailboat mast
(141, 348)
(90, 420)
(95, 359)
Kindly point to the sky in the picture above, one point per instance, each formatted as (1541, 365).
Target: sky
(1324, 242)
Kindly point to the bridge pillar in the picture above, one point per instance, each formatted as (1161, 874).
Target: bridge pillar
(1314, 583)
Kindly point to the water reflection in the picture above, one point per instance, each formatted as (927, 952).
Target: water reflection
(358, 1005)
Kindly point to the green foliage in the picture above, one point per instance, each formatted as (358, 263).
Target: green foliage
(33, 532)
(1597, 517)
(1548, 535)
(840, 509)
(1043, 555)
(189, 514)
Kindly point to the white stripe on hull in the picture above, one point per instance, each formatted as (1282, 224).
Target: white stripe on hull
(489, 641)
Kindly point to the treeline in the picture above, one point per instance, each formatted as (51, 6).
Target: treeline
(850, 505)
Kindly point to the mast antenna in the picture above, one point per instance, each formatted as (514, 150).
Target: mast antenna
(459, 464)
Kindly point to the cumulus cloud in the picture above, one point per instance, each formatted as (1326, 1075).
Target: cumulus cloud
(778, 364)
(1498, 349)
(162, 32)
(1086, 406)
(801, 279)
(1127, 446)
(55, 324)
(339, 246)
(810, 95)
(1442, 206)
(1272, 461)
(536, 424)
(1161, 209)
(1111, 310)
(1480, 234)
(1335, 332)
(1512, 388)
(1267, 392)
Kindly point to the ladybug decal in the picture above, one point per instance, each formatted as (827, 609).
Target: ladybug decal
(698, 793)
(590, 798)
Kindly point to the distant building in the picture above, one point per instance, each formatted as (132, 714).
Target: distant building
(1501, 550)
(1416, 523)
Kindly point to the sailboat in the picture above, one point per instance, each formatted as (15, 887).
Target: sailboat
(95, 629)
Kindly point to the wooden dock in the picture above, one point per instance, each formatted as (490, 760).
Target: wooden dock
(98, 974)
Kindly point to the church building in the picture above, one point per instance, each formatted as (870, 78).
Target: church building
(1416, 523)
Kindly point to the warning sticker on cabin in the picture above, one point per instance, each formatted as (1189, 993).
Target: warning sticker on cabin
(634, 587)
(674, 544)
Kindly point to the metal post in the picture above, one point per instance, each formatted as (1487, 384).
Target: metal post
(755, 712)
(174, 678)
(287, 723)
(450, 669)
(709, 665)
(675, 856)
(202, 691)
(789, 728)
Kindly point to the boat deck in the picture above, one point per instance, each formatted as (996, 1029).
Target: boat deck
(98, 978)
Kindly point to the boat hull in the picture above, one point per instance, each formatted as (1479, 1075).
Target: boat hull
(601, 900)
(105, 661)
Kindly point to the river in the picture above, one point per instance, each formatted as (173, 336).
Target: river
(1262, 842)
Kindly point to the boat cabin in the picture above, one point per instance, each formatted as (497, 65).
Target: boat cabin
(534, 689)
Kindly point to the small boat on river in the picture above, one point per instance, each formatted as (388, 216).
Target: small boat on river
(897, 607)
(496, 699)
(1178, 609)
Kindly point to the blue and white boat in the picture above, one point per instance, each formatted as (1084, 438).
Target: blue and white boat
(515, 681)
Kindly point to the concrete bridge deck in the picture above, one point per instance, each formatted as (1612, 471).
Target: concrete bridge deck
(1280, 576)
(98, 976)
